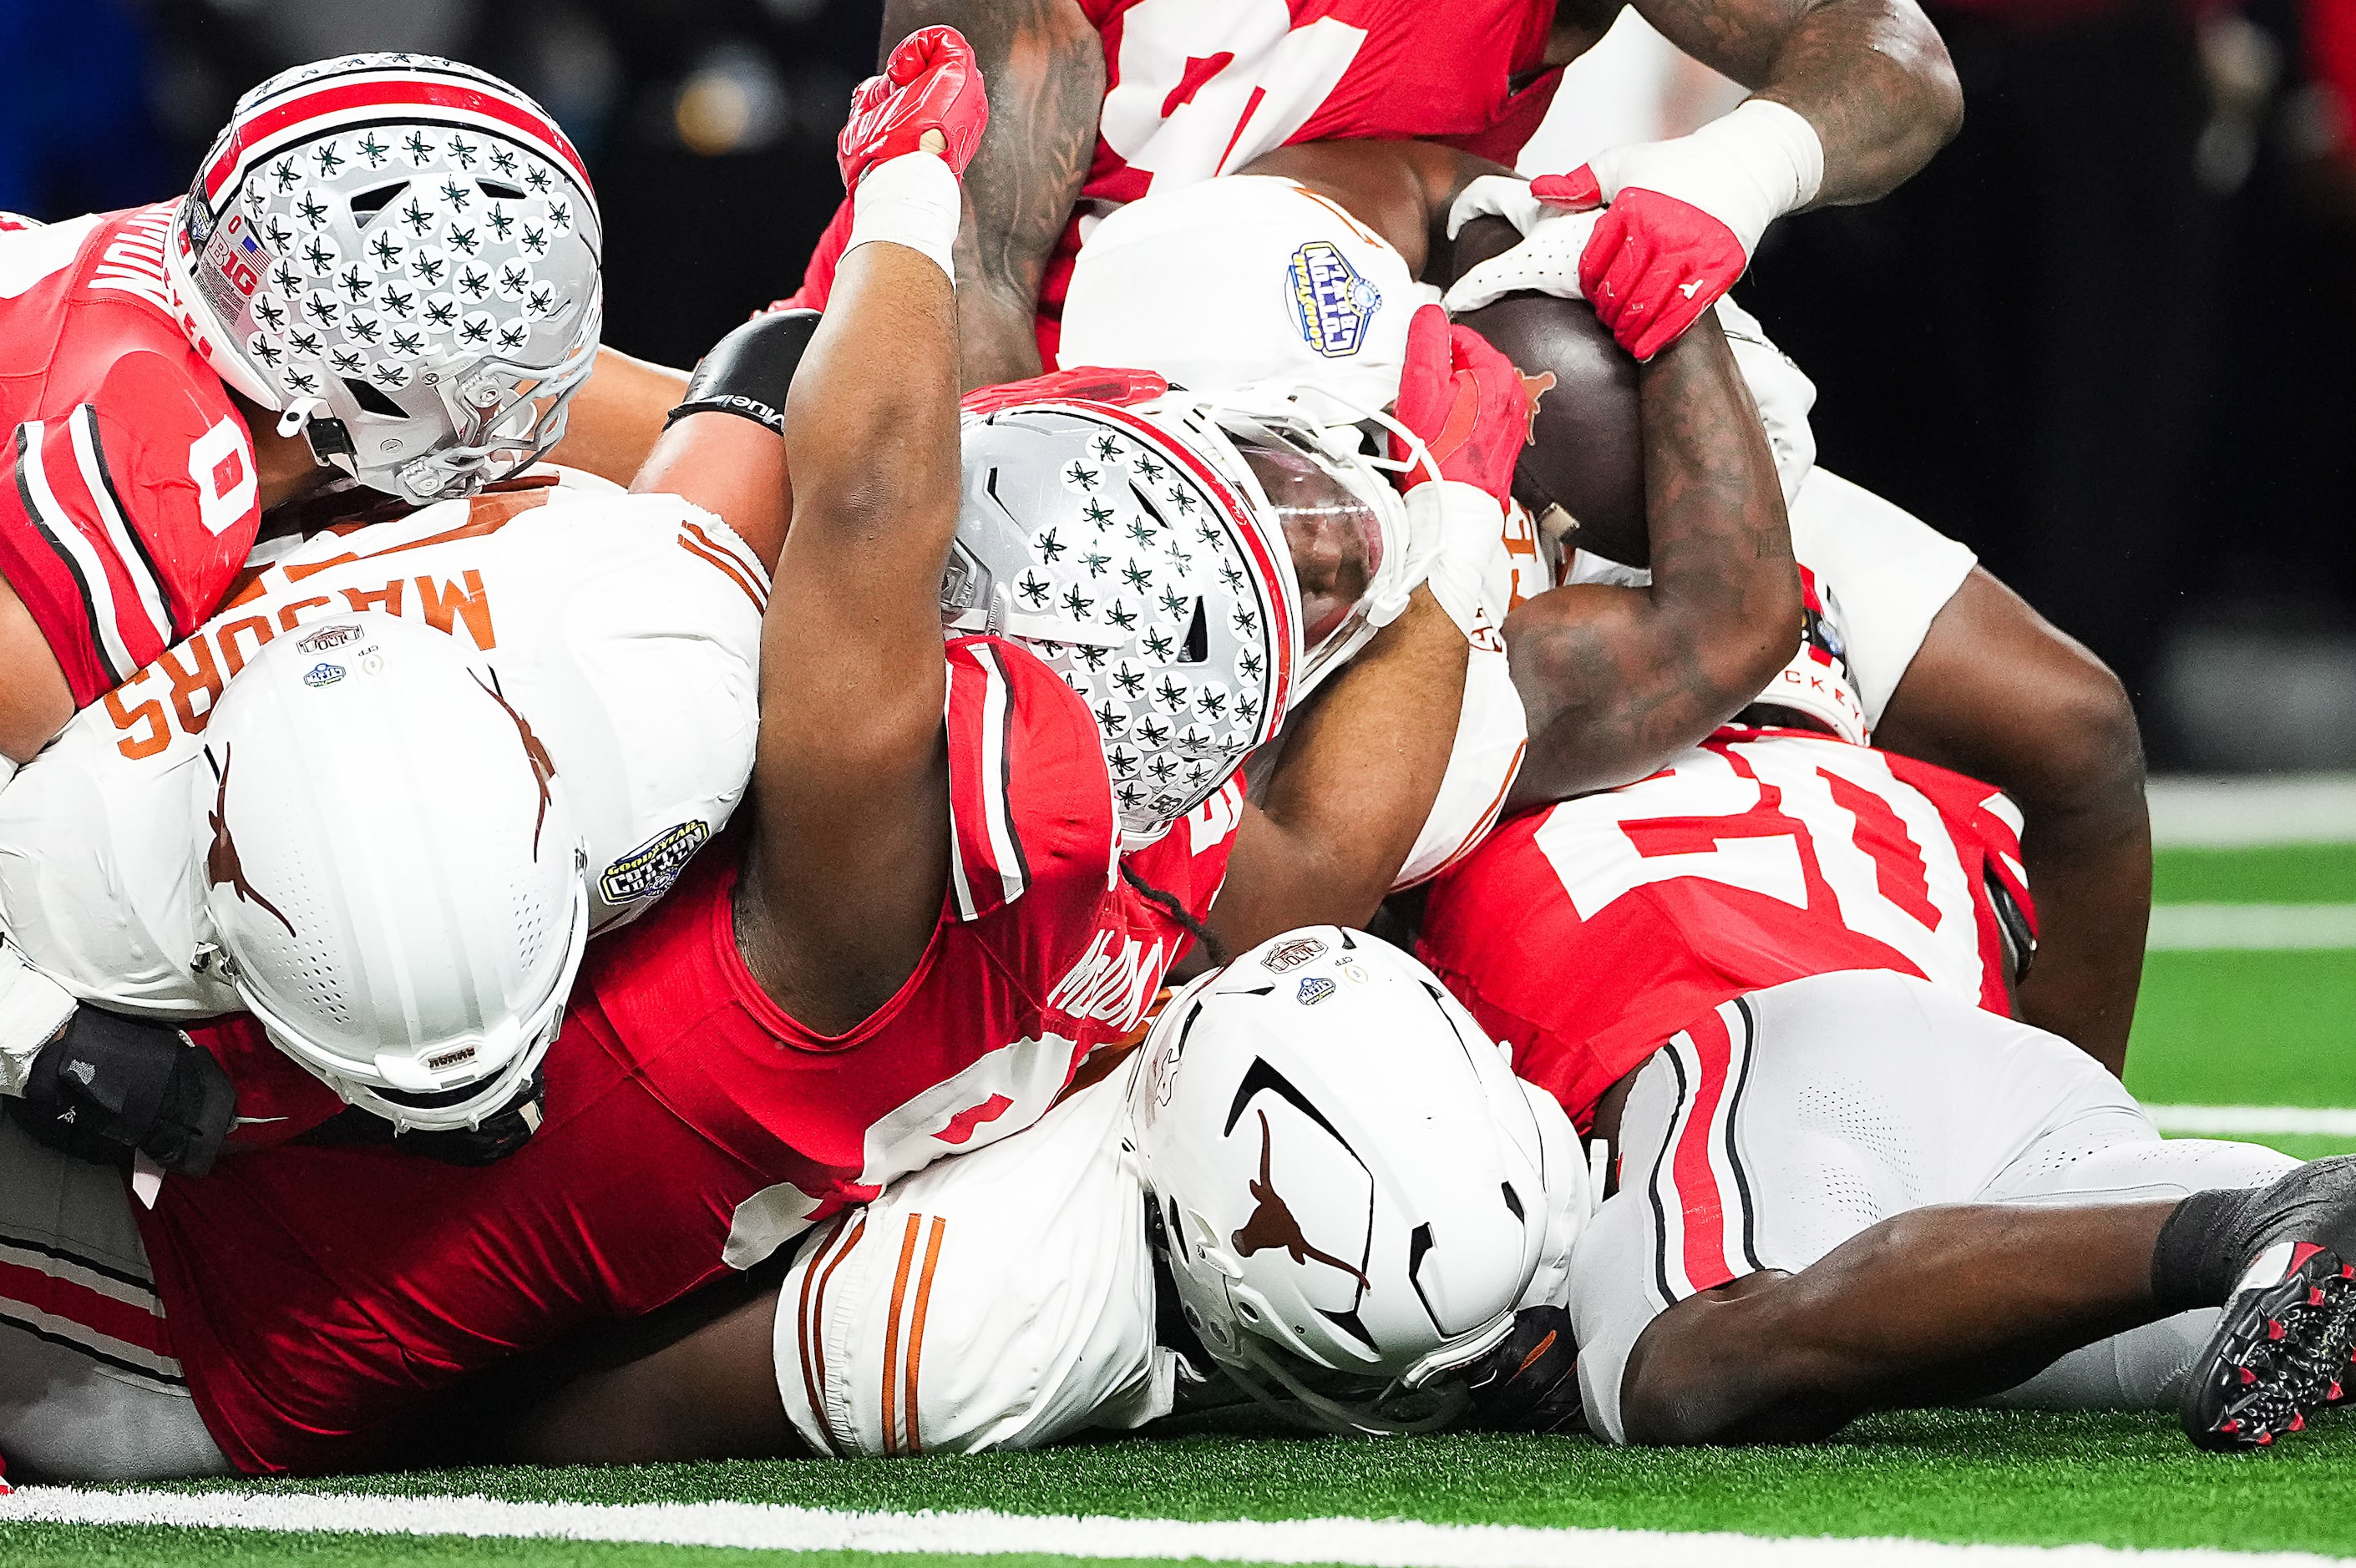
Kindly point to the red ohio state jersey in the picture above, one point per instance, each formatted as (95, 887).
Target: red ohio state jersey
(132, 497)
(1585, 935)
(1194, 89)
(321, 1300)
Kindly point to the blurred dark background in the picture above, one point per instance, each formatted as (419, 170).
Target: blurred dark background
(2107, 337)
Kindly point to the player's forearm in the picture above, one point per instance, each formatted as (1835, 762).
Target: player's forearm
(1999, 694)
(2091, 875)
(1871, 75)
(1615, 681)
(613, 420)
(1335, 821)
(1043, 64)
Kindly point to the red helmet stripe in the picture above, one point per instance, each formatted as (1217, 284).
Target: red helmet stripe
(399, 93)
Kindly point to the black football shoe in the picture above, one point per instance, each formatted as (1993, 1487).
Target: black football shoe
(2282, 1351)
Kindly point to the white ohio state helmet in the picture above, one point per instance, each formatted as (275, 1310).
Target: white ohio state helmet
(403, 251)
(1354, 1192)
(395, 882)
(1127, 547)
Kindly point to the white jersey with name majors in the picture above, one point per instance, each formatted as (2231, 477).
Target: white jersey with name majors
(624, 629)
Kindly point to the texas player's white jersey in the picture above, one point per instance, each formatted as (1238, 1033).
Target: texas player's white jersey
(998, 1299)
(626, 629)
(1876, 575)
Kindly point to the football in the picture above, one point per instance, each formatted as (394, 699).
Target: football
(1585, 454)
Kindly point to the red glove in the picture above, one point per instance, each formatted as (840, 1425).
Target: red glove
(929, 86)
(1091, 383)
(1465, 400)
(1654, 263)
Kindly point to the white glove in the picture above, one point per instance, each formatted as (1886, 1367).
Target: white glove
(1681, 221)
(1497, 196)
(33, 1009)
(1545, 262)
(1456, 534)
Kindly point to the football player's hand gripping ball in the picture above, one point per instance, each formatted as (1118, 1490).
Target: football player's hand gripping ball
(930, 98)
(1660, 231)
(1464, 401)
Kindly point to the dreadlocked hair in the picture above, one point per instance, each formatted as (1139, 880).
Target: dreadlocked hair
(1167, 902)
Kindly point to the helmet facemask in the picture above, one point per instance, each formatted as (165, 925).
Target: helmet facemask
(1315, 446)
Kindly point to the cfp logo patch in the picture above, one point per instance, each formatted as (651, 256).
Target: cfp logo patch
(1332, 301)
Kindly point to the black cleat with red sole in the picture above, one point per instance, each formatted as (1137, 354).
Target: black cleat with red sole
(2282, 1351)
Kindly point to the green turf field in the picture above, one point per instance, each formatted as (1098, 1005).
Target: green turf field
(2216, 1029)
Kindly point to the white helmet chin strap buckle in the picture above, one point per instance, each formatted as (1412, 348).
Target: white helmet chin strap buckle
(300, 412)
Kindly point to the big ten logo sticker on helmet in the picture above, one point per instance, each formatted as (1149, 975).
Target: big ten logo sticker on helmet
(648, 870)
(1332, 300)
(174, 695)
(1291, 955)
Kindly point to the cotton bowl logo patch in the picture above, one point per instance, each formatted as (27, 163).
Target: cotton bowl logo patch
(324, 674)
(648, 870)
(1315, 988)
(1332, 301)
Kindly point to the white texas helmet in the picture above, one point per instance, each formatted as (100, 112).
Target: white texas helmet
(1354, 1192)
(394, 884)
(403, 251)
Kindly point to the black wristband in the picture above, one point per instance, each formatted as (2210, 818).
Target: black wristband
(749, 371)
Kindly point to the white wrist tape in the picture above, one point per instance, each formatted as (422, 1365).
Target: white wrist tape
(1460, 531)
(1777, 156)
(33, 1008)
(909, 200)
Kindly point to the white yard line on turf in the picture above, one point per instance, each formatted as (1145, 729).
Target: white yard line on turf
(1374, 1543)
(2177, 928)
(2242, 1121)
(2191, 812)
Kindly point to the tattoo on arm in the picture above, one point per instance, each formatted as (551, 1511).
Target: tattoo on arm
(1616, 680)
(1043, 63)
(1871, 75)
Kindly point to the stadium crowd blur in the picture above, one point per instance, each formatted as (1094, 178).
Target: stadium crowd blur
(2106, 338)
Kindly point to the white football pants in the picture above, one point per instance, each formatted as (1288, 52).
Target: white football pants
(1795, 1117)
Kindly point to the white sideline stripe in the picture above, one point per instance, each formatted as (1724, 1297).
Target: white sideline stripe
(2246, 1119)
(1372, 1544)
(2177, 928)
(2192, 811)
